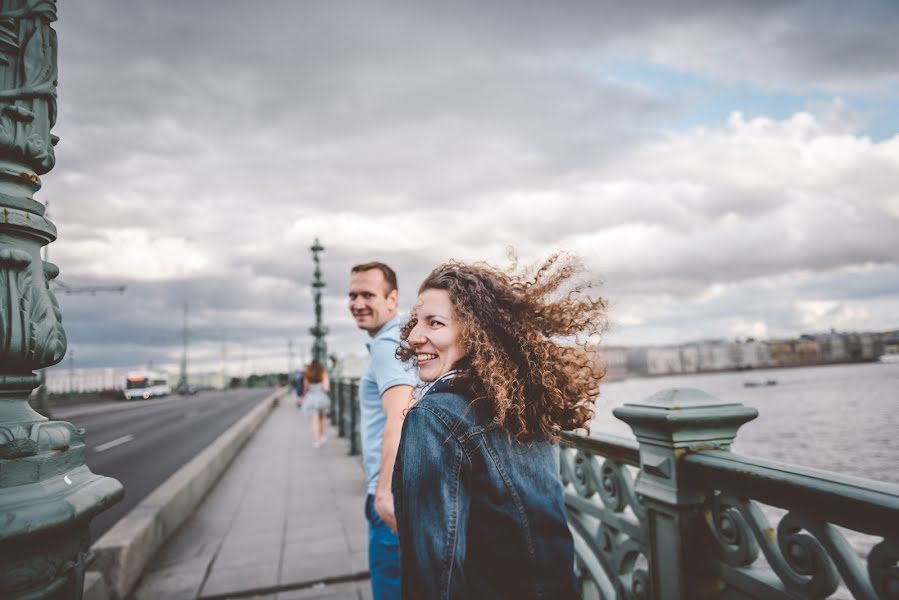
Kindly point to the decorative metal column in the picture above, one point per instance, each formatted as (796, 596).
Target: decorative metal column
(47, 494)
(669, 425)
(319, 331)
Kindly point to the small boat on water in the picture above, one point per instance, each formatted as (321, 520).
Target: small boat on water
(752, 384)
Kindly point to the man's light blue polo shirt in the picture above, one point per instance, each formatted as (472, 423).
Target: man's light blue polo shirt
(384, 371)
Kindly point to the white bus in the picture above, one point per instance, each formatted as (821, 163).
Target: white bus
(146, 384)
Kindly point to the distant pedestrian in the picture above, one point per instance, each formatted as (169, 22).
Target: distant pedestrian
(385, 391)
(479, 503)
(315, 399)
(296, 385)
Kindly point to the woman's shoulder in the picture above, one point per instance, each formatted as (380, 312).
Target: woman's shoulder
(452, 407)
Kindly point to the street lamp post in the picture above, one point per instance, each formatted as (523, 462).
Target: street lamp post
(182, 385)
(47, 494)
(319, 331)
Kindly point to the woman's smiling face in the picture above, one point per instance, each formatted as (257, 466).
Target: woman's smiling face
(436, 337)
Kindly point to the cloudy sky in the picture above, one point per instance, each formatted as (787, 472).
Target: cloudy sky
(726, 169)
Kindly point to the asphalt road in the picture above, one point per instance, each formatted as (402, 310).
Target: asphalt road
(141, 443)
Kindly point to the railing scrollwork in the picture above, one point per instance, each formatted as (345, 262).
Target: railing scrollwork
(883, 568)
(799, 559)
(607, 519)
(638, 528)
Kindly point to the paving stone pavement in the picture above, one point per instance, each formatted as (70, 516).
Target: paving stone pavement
(286, 522)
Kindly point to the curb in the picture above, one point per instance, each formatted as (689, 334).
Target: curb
(123, 552)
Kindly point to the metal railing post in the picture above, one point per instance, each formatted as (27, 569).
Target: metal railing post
(354, 417)
(347, 415)
(668, 426)
(341, 409)
(334, 395)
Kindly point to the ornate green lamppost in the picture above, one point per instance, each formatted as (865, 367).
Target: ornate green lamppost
(319, 331)
(47, 494)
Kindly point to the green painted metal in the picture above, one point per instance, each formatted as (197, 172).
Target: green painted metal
(665, 425)
(333, 395)
(676, 514)
(353, 429)
(345, 411)
(319, 331)
(47, 494)
(343, 403)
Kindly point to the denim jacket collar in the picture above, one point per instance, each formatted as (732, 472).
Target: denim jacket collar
(441, 384)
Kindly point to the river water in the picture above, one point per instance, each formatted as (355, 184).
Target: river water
(842, 418)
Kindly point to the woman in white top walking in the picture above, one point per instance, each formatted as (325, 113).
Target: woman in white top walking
(315, 399)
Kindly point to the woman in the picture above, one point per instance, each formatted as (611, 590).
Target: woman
(478, 500)
(315, 399)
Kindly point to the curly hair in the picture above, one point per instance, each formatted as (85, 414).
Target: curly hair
(523, 363)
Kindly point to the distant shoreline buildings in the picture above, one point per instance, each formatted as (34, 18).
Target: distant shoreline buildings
(709, 356)
(712, 356)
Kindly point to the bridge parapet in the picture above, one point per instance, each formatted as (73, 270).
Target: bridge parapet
(676, 514)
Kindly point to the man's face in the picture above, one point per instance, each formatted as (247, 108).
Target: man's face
(369, 303)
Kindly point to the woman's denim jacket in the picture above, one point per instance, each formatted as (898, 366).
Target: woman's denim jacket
(479, 513)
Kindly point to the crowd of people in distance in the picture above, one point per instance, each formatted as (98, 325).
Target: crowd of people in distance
(461, 408)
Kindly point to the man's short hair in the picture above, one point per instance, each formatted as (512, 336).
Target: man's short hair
(389, 275)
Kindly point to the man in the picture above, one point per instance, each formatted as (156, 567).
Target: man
(385, 391)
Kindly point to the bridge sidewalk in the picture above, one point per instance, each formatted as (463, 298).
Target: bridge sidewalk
(285, 522)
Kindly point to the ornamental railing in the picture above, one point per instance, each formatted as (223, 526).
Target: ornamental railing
(677, 515)
(345, 411)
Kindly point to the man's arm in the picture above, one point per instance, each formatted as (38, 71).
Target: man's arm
(394, 400)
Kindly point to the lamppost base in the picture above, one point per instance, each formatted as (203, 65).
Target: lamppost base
(47, 499)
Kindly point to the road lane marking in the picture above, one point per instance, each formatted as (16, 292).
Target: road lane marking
(112, 444)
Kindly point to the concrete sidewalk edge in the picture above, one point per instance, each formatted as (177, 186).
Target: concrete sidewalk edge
(123, 552)
(313, 584)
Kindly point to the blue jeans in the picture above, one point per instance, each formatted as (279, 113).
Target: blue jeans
(383, 555)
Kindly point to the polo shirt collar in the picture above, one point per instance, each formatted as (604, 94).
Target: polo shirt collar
(394, 322)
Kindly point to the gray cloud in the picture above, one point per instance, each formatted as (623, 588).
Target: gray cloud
(205, 144)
